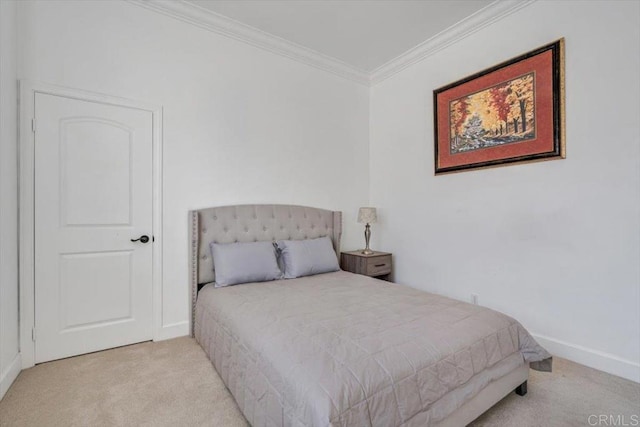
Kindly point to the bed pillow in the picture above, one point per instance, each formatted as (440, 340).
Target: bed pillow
(236, 263)
(307, 257)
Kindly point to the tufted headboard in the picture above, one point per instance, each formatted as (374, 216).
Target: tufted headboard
(252, 223)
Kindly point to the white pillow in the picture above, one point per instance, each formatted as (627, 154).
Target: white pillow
(236, 263)
(307, 257)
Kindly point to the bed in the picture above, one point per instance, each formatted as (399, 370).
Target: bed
(340, 349)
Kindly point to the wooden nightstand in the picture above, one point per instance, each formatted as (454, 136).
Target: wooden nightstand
(377, 265)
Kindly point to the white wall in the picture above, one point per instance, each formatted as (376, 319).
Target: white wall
(241, 125)
(554, 244)
(9, 358)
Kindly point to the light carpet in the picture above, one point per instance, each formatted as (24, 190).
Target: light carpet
(172, 383)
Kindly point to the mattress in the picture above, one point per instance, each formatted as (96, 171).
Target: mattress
(341, 349)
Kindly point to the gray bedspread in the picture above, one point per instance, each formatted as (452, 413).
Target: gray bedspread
(341, 349)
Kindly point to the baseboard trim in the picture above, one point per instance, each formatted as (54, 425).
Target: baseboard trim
(10, 374)
(602, 361)
(172, 330)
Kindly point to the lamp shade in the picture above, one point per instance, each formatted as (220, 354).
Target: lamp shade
(367, 215)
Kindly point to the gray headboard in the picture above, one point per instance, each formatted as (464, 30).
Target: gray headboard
(252, 223)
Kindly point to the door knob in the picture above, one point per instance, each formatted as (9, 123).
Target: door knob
(143, 239)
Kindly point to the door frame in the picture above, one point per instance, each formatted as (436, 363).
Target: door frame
(26, 199)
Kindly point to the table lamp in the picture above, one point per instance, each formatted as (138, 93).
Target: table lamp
(367, 216)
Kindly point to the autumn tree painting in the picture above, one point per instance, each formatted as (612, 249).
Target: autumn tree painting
(502, 114)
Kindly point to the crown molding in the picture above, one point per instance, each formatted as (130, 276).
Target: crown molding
(220, 24)
(196, 15)
(486, 16)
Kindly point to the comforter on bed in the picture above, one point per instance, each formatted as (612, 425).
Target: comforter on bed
(341, 349)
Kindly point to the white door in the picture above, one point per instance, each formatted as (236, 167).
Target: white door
(93, 195)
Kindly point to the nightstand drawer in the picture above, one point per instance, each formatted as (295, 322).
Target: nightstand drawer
(379, 265)
(376, 264)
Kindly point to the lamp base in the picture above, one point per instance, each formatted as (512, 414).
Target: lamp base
(367, 236)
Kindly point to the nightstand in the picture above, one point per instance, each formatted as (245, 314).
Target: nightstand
(377, 265)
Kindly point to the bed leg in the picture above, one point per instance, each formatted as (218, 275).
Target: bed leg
(521, 390)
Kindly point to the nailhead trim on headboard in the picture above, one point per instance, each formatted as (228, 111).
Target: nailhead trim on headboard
(193, 219)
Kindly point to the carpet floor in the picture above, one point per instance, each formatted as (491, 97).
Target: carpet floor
(172, 383)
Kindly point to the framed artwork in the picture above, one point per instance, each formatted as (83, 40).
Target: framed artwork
(510, 113)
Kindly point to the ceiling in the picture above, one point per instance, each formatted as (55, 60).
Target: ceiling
(364, 34)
